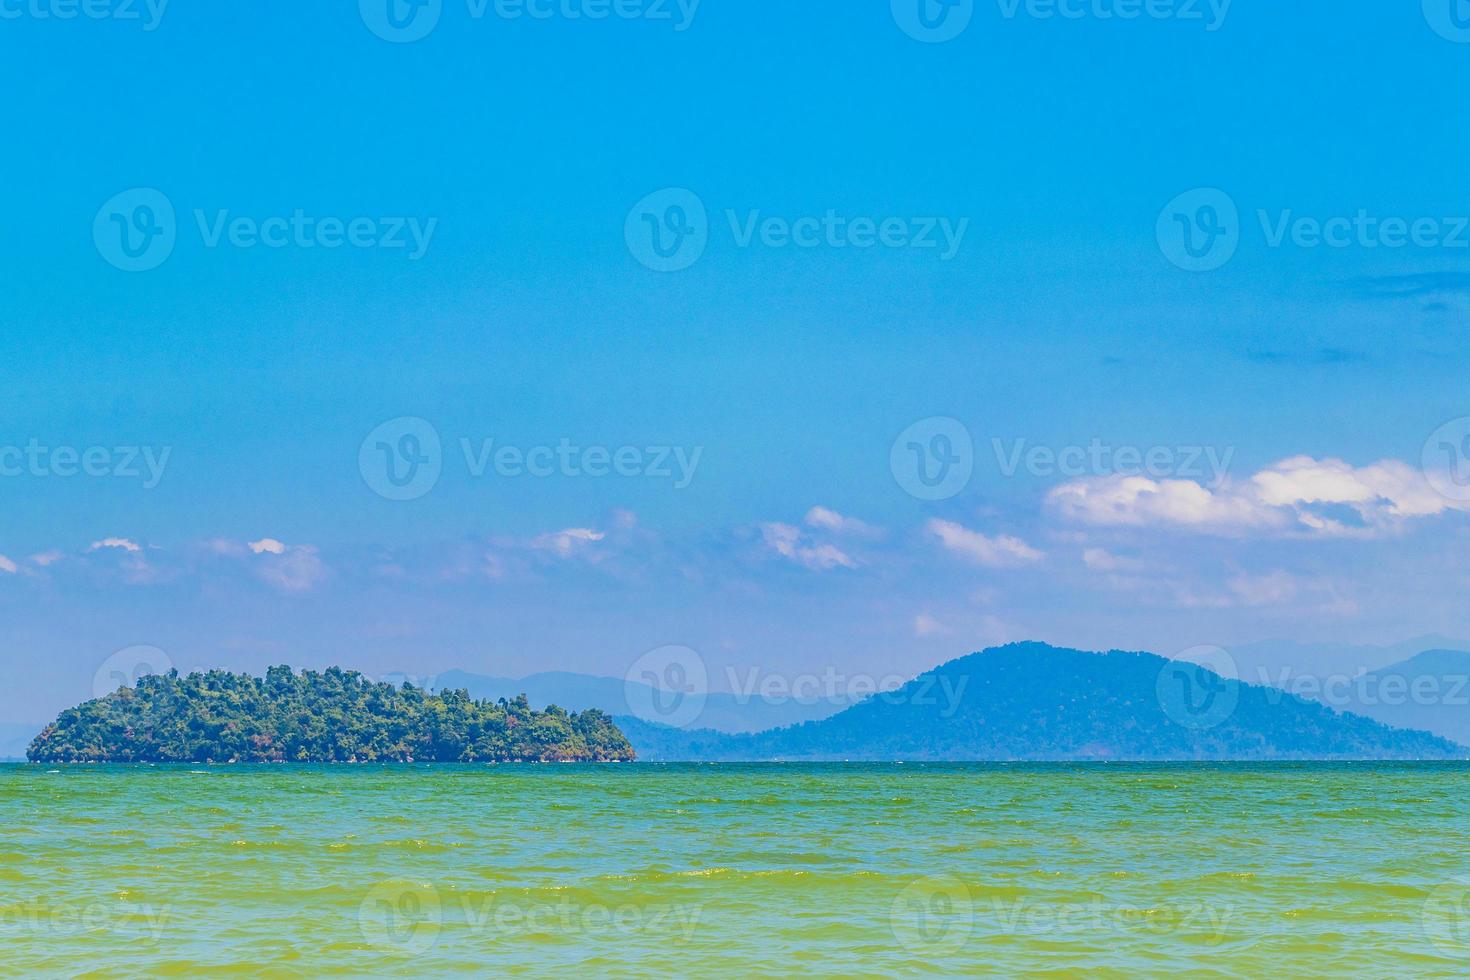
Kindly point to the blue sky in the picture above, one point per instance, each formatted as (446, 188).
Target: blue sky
(520, 147)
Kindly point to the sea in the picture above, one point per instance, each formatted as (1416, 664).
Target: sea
(718, 870)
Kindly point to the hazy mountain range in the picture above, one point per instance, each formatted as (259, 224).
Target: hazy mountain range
(1035, 701)
(1031, 701)
(721, 712)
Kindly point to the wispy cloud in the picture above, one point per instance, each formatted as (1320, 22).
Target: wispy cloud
(1000, 551)
(569, 541)
(290, 568)
(794, 545)
(121, 543)
(829, 520)
(1413, 286)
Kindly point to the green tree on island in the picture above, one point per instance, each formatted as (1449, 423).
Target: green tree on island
(329, 716)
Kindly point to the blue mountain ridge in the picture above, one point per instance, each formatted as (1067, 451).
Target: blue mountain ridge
(1034, 702)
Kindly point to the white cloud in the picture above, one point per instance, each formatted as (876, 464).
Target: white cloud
(267, 546)
(567, 542)
(1102, 560)
(1271, 589)
(295, 568)
(926, 625)
(7, 566)
(123, 543)
(47, 558)
(791, 543)
(827, 519)
(1002, 551)
(1300, 495)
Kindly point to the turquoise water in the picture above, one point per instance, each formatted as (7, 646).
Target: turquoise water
(736, 871)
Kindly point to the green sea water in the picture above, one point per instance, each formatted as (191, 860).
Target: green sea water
(736, 871)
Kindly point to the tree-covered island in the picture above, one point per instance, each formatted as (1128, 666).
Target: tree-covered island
(329, 716)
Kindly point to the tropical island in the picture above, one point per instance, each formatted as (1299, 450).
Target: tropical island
(334, 715)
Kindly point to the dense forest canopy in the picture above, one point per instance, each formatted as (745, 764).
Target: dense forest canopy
(330, 716)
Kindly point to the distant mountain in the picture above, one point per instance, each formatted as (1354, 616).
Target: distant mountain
(1430, 691)
(577, 692)
(14, 738)
(1030, 701)
(1269, 661)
